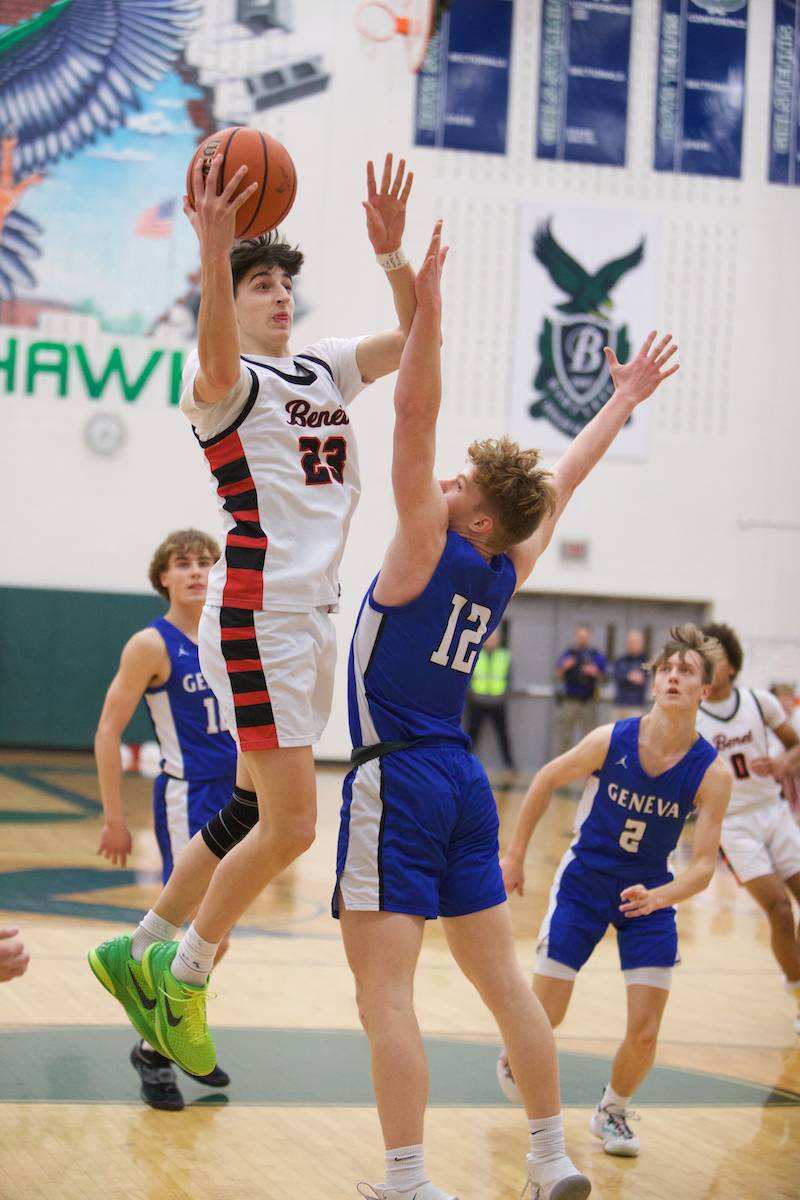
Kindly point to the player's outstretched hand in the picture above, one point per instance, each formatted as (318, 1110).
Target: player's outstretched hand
(513, 876)
(213, 217)
(116, 843)
(14, 958)
(638, 901)
(641, 376)
(386, 209)
(428, 283)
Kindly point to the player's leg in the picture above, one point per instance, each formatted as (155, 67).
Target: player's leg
(793, 984)
(477, 924)
(553, 992)
(771, 895)
(633, 1060)
(783, 845)
(482, 944)
(382, 949)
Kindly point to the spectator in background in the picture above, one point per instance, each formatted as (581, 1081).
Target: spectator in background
(580, 670)
(785, 695)
(630, 678)
(488, 695)
(14, 958)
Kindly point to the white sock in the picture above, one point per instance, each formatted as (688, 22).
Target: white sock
(793, 986)
(194, 958)
(547, 1139)
(405, 1168)
(151, 928)
(612, 1099)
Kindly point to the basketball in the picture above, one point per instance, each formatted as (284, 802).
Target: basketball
(267, 162)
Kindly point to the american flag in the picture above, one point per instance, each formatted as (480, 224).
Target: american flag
(156, 222)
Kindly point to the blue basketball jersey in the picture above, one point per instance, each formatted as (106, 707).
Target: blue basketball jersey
(410, 664)
(185, 715)
(628, 821)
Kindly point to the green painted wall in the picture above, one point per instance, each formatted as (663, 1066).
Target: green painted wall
(59, 651)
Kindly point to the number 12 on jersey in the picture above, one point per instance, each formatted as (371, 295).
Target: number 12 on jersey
(463, 659)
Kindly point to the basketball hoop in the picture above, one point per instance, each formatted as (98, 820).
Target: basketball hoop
(380, 21)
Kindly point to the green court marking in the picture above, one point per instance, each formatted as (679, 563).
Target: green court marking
(46, 890)
(28, 774)
(84, 1065)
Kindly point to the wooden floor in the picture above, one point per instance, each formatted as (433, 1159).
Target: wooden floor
(720, 1114)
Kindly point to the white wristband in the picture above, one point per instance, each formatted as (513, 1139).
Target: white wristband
(393, 260)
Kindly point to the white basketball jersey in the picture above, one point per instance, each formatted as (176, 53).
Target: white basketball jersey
(738, 730)
(284, 466)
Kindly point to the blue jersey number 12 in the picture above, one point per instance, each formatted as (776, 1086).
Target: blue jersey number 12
(463, 659)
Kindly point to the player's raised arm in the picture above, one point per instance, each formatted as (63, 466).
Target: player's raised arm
(633, 383)
(420, 503)
(143, 660)
(386, 218)
(214, 221)
(579, 763)
(712, 802)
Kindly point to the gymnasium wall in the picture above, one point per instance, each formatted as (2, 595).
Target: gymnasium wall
(707, 511)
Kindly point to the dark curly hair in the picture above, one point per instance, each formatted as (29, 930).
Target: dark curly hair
(729, 641)
(267, 250)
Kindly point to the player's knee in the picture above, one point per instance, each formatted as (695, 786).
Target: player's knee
(779, 911)
(502, 990)
(644, 1038)
(232, 823)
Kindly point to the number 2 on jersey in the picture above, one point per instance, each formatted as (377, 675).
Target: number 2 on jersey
(335, 451)
(480, 616)
(632, 835)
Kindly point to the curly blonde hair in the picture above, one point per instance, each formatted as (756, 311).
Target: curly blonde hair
(682, 639)
(180, 541)
(519, 493)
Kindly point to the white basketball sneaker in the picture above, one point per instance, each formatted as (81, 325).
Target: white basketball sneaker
(425, 1191)
(559, 1180)
(611, 1126)
(506, 1080)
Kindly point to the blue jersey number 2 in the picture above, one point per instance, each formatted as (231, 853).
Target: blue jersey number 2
(464, 657)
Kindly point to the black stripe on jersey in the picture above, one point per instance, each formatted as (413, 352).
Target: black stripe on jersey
(319, 361)
(304, 379)
(235, 618)
(249, 716)
(247, 681)
(246, 559)
(380, 838)
(240, 648)
(232, 472)
(375, 644)
(716, 717)
(246, 410)
(243, 502)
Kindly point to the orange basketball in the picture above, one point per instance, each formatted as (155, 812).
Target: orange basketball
(267, 162)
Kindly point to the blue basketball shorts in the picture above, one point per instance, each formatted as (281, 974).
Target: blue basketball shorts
(583, 903)
(181, 808)
(418, 835)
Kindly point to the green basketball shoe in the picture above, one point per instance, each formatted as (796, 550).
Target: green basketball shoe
(180, 1012)
(125, 979)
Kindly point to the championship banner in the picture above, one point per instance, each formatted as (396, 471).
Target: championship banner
(462, 88)
(784, 131)
(586, 280)
(700, 95)
(583, 81)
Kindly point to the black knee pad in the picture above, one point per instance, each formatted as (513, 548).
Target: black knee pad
(231, 823)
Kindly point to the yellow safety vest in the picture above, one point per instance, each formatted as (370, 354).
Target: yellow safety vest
(490, 677)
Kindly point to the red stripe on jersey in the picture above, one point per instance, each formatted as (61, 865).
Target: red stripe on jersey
(238, 635)
(243, 588)
(233, 489)
(246, 514)
(259, 737)
(249, 543)
(243, 664)
(224, 452)
(246, 698)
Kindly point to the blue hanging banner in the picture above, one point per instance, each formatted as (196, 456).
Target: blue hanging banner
(584, 53)
(700, 96)
(784, 125)
(462, 88)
